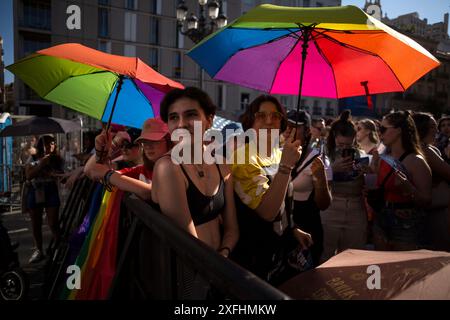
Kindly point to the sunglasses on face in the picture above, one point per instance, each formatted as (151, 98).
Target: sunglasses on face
(261, 115)
(383, 129)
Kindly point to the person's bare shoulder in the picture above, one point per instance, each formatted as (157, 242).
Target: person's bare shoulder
(417, 162)
(225, 171)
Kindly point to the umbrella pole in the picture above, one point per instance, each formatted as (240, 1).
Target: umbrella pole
(119, 87)
(306, 31)
(108, 125)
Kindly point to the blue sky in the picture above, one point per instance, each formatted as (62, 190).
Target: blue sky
(433, 10)
(6, 32)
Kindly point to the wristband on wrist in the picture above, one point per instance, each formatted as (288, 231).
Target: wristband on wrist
(284, 168)
(107, 178)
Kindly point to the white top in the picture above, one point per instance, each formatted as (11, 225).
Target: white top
(303, 183)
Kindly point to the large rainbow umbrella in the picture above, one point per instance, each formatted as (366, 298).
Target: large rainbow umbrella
(328, 52)
(110, 88)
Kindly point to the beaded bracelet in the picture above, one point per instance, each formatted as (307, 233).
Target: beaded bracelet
(107, 178)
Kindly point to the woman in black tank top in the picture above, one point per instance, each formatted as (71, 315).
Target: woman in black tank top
(198, 197)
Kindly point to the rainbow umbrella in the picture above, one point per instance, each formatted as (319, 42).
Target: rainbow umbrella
(110, 88)
(328, 52)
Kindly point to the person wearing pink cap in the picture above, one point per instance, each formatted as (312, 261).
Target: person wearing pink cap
(154, 141)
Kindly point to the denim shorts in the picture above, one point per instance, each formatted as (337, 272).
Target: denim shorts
(50, 196)
(400, 225)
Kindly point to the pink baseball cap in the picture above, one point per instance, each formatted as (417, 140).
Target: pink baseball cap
(153, 129)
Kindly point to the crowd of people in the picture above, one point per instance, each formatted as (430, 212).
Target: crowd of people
(319, 189)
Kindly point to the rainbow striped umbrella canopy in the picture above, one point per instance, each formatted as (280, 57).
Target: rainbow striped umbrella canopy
(336, 51)
(89, 81)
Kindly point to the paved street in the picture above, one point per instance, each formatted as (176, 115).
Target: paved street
(19, 229)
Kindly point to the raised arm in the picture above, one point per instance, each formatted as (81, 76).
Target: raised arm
(274, 196)
(230, 224)
(322, 194)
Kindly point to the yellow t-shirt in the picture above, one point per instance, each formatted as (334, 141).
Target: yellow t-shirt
(251, 178)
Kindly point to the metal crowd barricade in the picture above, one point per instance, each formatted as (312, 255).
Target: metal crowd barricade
(159, 260)
(11, 181)
(70, 219)
(156, 259)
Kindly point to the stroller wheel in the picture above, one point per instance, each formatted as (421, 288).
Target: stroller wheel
(13, 285)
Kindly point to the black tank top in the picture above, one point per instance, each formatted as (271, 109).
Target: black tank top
(203, 208)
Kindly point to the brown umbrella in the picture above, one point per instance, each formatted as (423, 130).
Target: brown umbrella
(411, 275)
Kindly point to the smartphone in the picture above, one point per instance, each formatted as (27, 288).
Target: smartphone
(360, 163)
(348, 152)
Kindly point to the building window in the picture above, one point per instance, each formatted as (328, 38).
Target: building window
(177, 64)
(153, 6)
(103, 22)
(245, 100)
(317, 111)
(158, 7)
(33, 42)
(179, 38)
(130, 26)
(37, 14)
(286, 102)
(129, 50)
(319, 4)
(329, 111)
(221, 96)
(104, 46)
(154, 58)
(103, 2)
(154, 30)
(131, 4)
(224, 7)
(306, 3)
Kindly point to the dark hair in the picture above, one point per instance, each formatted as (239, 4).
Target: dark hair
(422, 120)
(442, 119)
(40, 147)
(370, 125)
(410, 138)
(248, 117)
(193, 93)
(343, 126)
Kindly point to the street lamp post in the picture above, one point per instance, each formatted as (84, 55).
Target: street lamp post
(198, 28)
